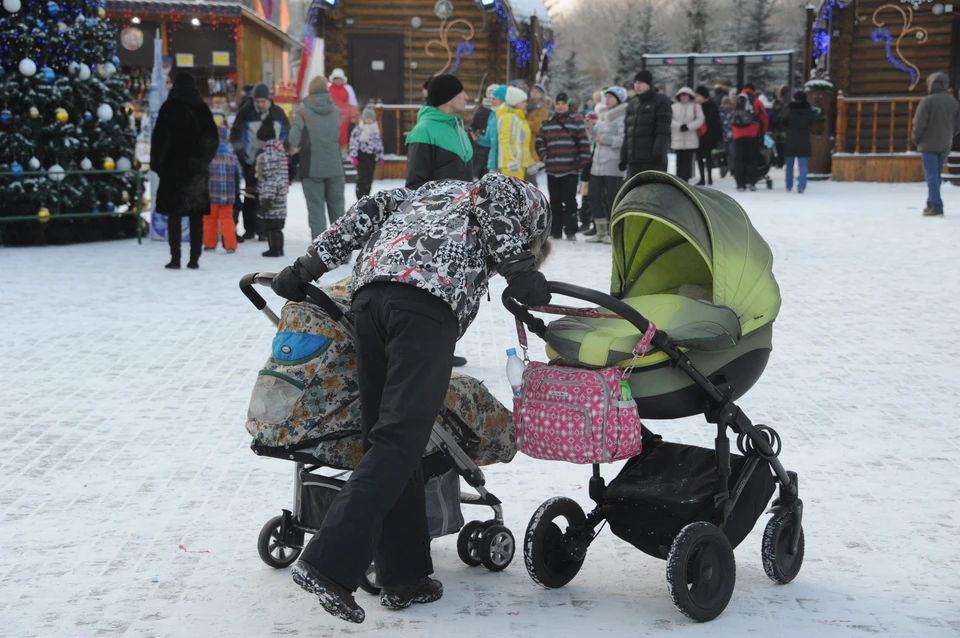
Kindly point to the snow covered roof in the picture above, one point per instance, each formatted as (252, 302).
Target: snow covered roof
(523, 10)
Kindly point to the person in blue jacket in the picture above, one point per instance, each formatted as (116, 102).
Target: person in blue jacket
(489, 138)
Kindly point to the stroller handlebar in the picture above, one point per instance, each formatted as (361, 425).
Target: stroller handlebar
(595, 297)
(314, 294)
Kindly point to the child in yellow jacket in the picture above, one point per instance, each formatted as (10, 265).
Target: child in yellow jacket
(514, 136)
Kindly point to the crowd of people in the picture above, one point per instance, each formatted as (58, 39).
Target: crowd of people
(220, 177)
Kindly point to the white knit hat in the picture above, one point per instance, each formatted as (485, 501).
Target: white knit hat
(515, 96)
(338, 74)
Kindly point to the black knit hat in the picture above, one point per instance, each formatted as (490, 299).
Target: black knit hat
(562, 97)
(261, 92)
(703, 92)
(267, 131)
(799, 96)
(644, 76)
(444, 88)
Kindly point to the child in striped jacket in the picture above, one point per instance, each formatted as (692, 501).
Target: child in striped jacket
(273, 183)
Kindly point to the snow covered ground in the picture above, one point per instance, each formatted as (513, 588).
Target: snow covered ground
(130, 503)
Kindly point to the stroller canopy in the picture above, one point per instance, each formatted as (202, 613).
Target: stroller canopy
(668, 236)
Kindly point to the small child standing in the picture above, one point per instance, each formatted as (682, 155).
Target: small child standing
(224, 177)
(366, 151)
(273, 183)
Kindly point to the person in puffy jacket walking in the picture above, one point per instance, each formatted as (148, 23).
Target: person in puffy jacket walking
(366, 151)
(488, 139)
(606, 175)
(795, 121)
(935, 124)
(646, 128)
(563, 146)
(514, 139)
(438, 147)
(687, 119)
(426, 259)
(316, 132)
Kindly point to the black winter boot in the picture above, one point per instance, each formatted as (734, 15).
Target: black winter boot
(335, 599)
(425, 590)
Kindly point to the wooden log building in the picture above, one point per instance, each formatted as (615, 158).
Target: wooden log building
(878, 54)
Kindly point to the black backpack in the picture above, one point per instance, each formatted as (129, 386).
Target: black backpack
(743, 114)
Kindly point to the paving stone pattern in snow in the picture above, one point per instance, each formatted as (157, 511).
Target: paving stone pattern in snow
(130, 503)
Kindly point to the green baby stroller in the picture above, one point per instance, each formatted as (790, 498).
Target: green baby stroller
(689, 261)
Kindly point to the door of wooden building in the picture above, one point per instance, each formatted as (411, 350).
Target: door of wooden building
(376, 73)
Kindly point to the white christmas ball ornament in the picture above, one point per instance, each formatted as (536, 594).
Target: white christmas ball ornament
(86, 164)
(34, 164)
(61, 26)
(124, 164)
(27, 67)
(107, 69)
(55, 173)
(74, 68)
(11, 5)
(84, 73)
(105, 113)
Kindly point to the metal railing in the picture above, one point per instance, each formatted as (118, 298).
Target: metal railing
(134, 207)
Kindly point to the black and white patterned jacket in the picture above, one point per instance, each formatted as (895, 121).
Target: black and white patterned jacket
(447, 238)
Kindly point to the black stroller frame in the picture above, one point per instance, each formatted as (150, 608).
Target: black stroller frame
(488, 543)
(782, 549)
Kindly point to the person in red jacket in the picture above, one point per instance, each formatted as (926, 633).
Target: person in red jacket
(749, 123)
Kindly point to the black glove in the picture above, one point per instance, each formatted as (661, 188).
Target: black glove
(524, 282)
(290, 282)
(530, 288)
(622, 166)
(684, 128)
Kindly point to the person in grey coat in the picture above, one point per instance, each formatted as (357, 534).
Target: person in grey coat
(316, 132)
(606, 176)
(935, 124)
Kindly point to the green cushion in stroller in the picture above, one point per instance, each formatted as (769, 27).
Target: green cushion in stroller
(688, 259)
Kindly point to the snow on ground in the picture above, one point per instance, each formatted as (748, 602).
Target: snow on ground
(130, 503)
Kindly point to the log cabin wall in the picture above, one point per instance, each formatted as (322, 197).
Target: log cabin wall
(487, 63)
(860, 68)
(859, 64)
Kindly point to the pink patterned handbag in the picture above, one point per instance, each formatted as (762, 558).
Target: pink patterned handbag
(578, 415)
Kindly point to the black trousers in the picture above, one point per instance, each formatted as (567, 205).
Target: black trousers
(633, 169)
(603, 191)
(563, 203)
(405, 343)
(704, 157)
(366, 169)
(174, 236)
(251, 206)
(746, 161)
(685, 163)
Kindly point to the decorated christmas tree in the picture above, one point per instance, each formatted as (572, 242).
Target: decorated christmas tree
(63, 107)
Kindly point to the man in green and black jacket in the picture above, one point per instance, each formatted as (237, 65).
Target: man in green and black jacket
(438, 147)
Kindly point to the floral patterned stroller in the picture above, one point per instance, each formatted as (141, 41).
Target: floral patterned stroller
(305, 408)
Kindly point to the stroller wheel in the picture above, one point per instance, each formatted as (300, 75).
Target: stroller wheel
(701, 571)
(468, 542)
(497, 547)
(779, 561)
(554, 556)
(273, 551)
(370, 583)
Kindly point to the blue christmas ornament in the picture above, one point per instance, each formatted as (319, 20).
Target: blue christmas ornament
(87, 116)
(96, 209)
(110, 207)
(116, 61)
(41, 25)
(48, 75)
(16, 168)
(6, 117)
(53, 9)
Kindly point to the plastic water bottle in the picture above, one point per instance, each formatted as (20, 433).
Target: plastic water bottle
(515, 369)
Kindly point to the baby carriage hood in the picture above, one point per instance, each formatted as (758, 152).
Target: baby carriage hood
(667, 234)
